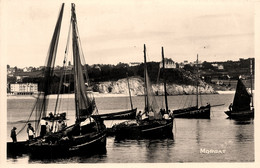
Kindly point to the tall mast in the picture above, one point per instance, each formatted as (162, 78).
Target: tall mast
(251, 81)
(145, 81)
(164, 81)
(197, 82)
(74, 44)
(129, 91)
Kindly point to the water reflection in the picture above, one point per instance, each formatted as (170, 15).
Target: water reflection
(190, 135)
(243, 122)
(198, 132)
(158, 150)
(79, 157)
(244, 132)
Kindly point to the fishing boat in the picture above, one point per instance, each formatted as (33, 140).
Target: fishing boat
(149, 123)
(202, 112)
(86, 135)
(122, 115)
(242, 106)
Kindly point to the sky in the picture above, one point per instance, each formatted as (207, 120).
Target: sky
(115, 31)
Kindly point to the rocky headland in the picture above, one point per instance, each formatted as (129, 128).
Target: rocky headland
(137, 87)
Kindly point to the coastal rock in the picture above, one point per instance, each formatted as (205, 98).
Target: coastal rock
(137, 87)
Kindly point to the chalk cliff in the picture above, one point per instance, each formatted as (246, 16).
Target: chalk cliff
(137, 87)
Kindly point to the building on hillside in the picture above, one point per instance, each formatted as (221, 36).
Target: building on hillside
(215, 65)
(23, 88)
(27, 69)
(195, 63)
(134, 63)
(69, 67)
(181, 65)
(40, 68)
(185, 62)
(10, 71)
(57, 67)
(169, 64)
(220, 67)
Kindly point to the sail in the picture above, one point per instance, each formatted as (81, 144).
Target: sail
(150, 102)
(83, 104)
(42, 101)
(242, 98)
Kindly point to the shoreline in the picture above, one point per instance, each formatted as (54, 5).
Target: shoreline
(226, 92)
(97, 95)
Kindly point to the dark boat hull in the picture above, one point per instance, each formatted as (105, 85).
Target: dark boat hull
(17, 149)
(124, 115)
(79, 145)
(149, 130)
(246, 114)
(193, 112)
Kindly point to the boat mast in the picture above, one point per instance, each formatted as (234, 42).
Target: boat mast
(197, 82)
(164, 81)
(75, 53)
(145, 81)
(251, 81)
(129, 91)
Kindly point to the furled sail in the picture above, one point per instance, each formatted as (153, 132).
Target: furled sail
(83, 104)
(242, 98)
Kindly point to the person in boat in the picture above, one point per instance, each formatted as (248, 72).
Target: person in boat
(63, 124)
(166, 115)
(57, 116)
(230, 107)
(151, 115)
(171, 113)
(48, 128)
(139, 116)
(162, 111)
(63, 116)
(143, 116)
(13, 135)
(51, 115)
(59, 126)
(43, 128)
(30, 131)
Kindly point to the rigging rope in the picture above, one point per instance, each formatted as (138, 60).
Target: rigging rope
(200, 99)
(28, 117)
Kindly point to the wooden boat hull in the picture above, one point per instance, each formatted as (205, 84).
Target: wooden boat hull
(78, 145)
(17, 149)
(124, 115)
(247, 114)
(193, 112)
(149, 130)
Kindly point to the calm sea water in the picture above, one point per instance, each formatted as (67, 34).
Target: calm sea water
(193, 138)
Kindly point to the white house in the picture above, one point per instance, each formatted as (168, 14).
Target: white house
(23, 88)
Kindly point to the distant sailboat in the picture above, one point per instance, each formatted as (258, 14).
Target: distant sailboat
(242, 107)
(202, 112)
(149, 123)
